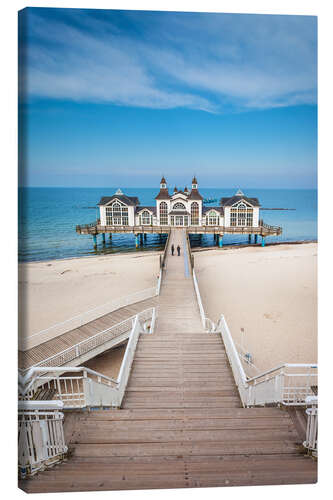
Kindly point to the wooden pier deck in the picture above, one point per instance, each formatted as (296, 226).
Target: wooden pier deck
(95, 228)
(182, 424)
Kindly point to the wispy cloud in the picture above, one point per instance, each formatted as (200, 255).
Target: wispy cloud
(211, 62)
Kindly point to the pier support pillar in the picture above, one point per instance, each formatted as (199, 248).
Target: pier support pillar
(255, 238)
(137, 242)
(249, 239)
(145, 237)
(95, 240)
(103, 238)
(220, 240)
(110, 236)
(263, 241)
(141, 239)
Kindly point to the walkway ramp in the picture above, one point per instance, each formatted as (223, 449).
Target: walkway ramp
(182, 424)
(43, 351)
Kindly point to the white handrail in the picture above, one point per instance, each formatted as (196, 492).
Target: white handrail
(311, 441)
(80, 387)
(159, 282)
(278, 385)
(280, 367)
(207, 323)
(93, 313)
(41, 439)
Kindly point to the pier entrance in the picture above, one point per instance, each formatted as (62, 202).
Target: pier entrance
(179, 220)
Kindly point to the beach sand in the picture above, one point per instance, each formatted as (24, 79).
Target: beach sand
(53, 291)
(270, 292)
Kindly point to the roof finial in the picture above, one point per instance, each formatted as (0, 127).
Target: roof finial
(239, 193)
(119, 191)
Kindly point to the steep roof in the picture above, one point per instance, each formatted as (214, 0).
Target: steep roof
(163, 195)
(227, 202)
(195, 195)
(208, 209)
(151, 209)
(128, 200)
(176, 193)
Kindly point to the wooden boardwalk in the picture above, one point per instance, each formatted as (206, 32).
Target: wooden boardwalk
(58, 344)
(182, 424)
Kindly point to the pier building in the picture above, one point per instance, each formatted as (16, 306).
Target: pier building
(238, 214)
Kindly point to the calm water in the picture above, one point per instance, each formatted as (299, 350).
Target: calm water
(48, 216)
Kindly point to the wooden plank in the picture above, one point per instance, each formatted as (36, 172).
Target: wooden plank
(104, 434)
(161, 448)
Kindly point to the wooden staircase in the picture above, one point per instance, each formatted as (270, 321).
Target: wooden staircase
(182, 424)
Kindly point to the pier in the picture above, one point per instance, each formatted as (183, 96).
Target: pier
(185, 419)
(236, 214)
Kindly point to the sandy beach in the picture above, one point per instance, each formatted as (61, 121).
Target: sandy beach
(269, 292)
(53, 291)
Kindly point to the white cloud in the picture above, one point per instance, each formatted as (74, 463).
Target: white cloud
(193, 61)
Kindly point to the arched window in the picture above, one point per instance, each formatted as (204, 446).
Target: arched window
(241, 215)
(212, 218)
(194, 213)
(117, 214)
(145, 218)
(163, 213)
(179, 206)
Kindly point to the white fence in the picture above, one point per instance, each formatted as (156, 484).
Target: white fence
(86, 317)
(41, 440)
(288, 384)
(311, 442)
(80, 387)
(207, 324)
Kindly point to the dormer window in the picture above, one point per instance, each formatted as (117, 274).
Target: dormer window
(179, 206)
(163, 186)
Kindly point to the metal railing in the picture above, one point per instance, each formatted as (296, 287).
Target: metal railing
(90, 315)
(165, 251)
(311, 441)
(288, 384)
(207, 323)
(41, 441)
(80, 387)
(72, 385)
(269, 227)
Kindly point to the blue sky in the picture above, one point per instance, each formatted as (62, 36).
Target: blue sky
(121, 97)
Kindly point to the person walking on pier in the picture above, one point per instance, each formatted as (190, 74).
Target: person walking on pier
(172, 248)
(178, 250)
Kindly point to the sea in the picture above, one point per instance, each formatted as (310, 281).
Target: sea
(48, 216)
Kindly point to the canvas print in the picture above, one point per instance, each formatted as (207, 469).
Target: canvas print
(167, 250)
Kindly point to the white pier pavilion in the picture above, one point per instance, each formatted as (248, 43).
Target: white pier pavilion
(121, 213)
